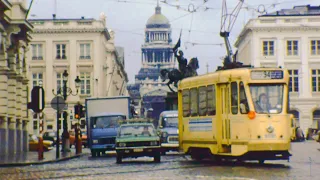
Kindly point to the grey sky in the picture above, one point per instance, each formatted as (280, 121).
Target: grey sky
(128, 19)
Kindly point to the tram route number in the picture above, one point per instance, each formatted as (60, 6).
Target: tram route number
(269, 136)
(278, 74)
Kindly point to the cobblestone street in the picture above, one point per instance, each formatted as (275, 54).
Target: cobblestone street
(305, 164)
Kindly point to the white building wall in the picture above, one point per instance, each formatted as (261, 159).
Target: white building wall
(280, 29)
(72, 33)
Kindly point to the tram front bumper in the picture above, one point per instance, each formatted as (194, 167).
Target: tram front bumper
(269, 146)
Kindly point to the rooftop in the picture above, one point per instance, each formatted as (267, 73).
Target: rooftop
(303, 10)
(158, 18)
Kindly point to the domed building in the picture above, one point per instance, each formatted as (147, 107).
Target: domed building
(149, 91)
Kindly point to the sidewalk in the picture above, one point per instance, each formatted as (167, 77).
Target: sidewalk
(31, 158)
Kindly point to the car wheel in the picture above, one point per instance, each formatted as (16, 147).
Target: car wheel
(119, 159)
(157, 158)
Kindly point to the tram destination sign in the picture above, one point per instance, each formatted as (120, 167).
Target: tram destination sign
(267, 74)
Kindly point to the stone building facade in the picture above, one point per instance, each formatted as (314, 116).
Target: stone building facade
(289, 38)
(85, 48)
(14, 39)
(149, 91)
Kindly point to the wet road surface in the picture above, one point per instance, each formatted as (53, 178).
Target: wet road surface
(304, 165)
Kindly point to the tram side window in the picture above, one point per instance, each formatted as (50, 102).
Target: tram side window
(186, 102)
(244, 107)
(234, 98)
(202, 101)
(211, 98)
(194, 101)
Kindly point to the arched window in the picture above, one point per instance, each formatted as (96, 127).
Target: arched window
(296, 114)
(316, 119)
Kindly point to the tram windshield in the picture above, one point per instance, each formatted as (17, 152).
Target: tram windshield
(267, 98)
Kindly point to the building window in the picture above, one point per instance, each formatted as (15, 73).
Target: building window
(268, 48)
(316, 119)
(59, 81)
(85, 83)
(292, 48)
(49, 127)
(61, 51)
(315, 47)
(293, 80)
(85, 51)
(315, 78)
(36, 78)
(37, 50)
(35, 125)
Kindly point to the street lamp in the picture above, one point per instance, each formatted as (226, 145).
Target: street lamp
(66, 92)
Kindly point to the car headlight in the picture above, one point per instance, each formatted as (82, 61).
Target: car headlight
(164, 134)
(122, 144)
(95, 141)
(153, 143)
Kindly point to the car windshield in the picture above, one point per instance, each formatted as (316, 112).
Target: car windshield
(267, 98)
(107, 122)
(137, 130)
(170, 122)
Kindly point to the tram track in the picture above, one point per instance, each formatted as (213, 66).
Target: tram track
(111, 164)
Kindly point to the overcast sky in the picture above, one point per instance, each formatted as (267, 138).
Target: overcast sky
(128, 19)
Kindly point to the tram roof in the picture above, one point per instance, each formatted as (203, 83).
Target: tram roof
(223, 76)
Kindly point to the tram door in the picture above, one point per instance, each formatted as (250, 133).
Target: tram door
(225, 110)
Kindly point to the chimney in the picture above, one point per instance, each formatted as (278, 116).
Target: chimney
(54, 16)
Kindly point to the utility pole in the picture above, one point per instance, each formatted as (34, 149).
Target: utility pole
(207, 68)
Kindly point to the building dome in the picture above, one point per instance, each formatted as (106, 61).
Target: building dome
(157, 18)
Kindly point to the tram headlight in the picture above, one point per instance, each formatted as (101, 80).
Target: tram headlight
(251, 115)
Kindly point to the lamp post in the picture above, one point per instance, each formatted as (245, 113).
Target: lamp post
(66, 91)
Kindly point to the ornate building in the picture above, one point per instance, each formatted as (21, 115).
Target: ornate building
(289, 38)
(85, 48)
(14, 41)
(156, 53)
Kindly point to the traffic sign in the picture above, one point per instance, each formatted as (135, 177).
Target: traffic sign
(37, 103)
(58, 103)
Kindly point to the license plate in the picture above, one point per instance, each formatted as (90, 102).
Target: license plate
(270, 136)
(138, 150)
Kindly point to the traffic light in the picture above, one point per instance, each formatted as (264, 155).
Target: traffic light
(82, 111)
(78, 111)
(37, 103)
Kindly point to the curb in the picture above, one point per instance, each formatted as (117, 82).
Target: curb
(42, 162)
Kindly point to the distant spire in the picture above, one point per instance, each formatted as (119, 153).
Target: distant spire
(158, 8)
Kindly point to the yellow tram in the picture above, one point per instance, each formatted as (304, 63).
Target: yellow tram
(238, 113)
